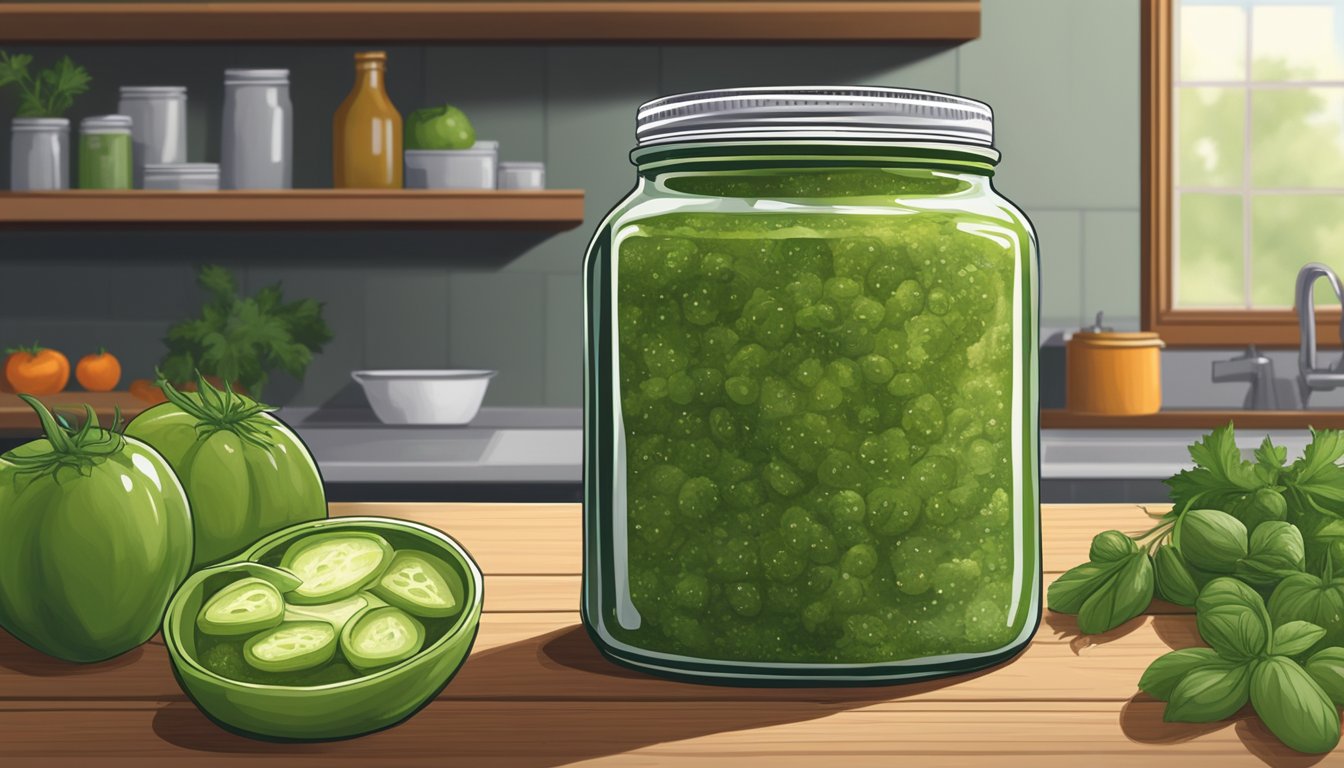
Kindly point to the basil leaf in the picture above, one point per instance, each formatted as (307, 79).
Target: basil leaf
(1304, 597)
(1174, 582)
(1120, 599)
(1110, 546)
(1277, 544)
(1293, 706)
(1225, 590)
(1236, 632)
(1162, 676)
(1212, 540)
(1262, 506)
(1327, 669)
(1296, 637)
(1208, 693)
(1068, 593)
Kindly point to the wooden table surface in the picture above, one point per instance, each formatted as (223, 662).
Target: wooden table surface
(536, 693)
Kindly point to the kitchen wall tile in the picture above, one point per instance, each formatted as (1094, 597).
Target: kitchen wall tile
(1061, 251)
(509, 106)
(564, 340)
(699, 67)
(591, 97)
(340, 289)
(1111, 255)
(498, 321)
(1063, 78)
(406, 313)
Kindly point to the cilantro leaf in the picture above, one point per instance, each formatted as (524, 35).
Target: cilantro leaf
(1219, 477)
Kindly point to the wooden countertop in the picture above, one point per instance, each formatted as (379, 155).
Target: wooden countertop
(535, 692)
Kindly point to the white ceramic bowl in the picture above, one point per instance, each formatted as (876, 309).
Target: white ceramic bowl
(424, 397)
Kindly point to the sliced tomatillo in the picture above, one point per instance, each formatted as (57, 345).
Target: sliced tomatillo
(377, 637)
(243, 607)
(334, 566)
(291, 646)
(421, 584)
(279, 578)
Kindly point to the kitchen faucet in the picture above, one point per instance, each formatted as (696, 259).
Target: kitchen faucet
(1258, 370)
(1309, 377)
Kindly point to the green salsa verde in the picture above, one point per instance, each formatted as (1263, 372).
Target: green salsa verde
(811, 390)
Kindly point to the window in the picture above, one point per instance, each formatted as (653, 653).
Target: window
(1244, 164)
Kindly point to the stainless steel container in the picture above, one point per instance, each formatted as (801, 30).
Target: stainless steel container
(183, 177)
(474, 168)
(39, 154)
(522, 175)
(257, 144)
(159, 125)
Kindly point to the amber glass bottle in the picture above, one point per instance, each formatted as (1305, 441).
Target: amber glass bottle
(366, 132)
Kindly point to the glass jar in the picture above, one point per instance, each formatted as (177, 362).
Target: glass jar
(105, 152)
(366, 135)
(158, 125)
(810, 392)
(257, 145)
(39, 154)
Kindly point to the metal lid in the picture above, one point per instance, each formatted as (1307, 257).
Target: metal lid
(826, 112)
(151, 91)
(171, 170)
(256, 77)
(39, 124)
(105, 124)
(1098, 335)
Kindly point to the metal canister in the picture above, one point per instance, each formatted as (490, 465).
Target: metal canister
(257, 145)
(158, 125)
(39, 154)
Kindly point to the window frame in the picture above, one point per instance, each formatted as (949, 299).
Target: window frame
(1189, 327)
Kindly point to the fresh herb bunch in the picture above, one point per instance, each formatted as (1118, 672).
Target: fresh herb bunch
(1239, 533)
(241, 340)
(49, 93)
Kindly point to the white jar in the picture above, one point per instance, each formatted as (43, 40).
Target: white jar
(182, 177)
(257, 143)
(39, 154)
(158, 127)
(474, 168)
(522, 175)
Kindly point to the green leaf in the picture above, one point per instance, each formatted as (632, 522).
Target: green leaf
(1162, 676)
(218, 282)
(1174, 582)
(1210, 692)
(1270, 456)
(1293, 706)
(1326, 667)
(1068, 593)
(1317, 477)
(1211, 540)
(1305, 597)
(64, 81)
(1110, 546)
(1234, 631)
(14, 69)
(1275, 551)
(1261, 506)
(1119, 599)
(1296, 637)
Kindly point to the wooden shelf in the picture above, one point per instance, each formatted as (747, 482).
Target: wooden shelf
(1052, 418)
(552, 209)
(504, 21)
(18, 420)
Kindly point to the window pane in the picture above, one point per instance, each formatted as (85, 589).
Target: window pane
(1289, 231)
(1213, 42)
(1208, 257)
(1211, 124)
(1297, 42)
(1297, 137)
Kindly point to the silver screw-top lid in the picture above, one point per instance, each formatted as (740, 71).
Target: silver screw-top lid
(824, 112)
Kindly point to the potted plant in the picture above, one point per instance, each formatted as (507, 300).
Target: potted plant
(40, 141)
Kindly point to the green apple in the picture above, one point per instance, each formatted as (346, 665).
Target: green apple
(445, 127)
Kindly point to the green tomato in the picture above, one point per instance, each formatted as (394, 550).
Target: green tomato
(246, 473)
(95, 535)
(445, 127)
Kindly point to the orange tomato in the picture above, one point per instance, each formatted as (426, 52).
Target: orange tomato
(4, 382)
(37, 371)
(98, 373)
(148, 391)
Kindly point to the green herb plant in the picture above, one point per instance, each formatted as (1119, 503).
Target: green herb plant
(241, 340)
(49, 93)
(1251, 545)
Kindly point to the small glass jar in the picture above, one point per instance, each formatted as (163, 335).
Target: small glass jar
(105, 152)
(158, 125)
(811, 400)
(257, 144)
(39, 154)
